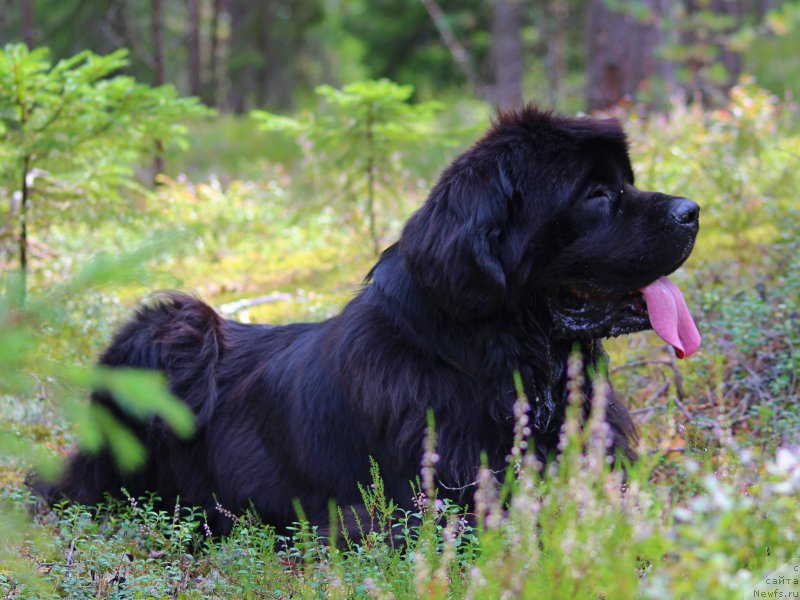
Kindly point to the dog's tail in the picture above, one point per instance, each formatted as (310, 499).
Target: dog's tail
(177, 335)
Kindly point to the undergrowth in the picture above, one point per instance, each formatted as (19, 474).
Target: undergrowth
(709, 508)
(576, 528)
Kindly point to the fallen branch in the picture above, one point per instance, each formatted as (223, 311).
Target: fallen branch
(641, 363)
(231, 308)
(459, 53)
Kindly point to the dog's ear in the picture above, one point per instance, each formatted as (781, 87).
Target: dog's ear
(451, 246)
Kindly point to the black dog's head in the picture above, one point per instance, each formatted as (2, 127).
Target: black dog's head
(543, 209)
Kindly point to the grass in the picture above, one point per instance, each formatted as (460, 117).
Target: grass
(708, 510)
(573, 533)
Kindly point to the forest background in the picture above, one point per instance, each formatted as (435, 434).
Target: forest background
(259, 154)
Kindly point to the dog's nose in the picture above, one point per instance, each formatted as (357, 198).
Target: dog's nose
(684, 211)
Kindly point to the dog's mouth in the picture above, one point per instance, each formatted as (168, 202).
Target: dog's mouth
(587, 311)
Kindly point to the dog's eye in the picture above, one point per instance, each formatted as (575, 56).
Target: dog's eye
(599, 193)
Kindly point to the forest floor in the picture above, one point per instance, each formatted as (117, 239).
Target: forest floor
(710, 509)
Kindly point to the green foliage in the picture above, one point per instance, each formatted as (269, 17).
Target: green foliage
(80, 125)
(72, 133)
(740, 164)
(24, 362)
(731, 160)
(230, 148)
(354, 138)
(21, 355)
(123, 547)
(725, 539)
(707, 42)
(576, 532)
(708, 519)
(757, 333)
(272, 54)
(398, 40)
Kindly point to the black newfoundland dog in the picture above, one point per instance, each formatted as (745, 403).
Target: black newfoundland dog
(533, 241)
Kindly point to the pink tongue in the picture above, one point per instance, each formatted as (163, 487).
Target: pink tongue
(670, 317)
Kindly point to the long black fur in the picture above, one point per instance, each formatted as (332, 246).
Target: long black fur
(445, 318)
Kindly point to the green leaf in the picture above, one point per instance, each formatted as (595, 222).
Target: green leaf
(128, 452)
(272, 122)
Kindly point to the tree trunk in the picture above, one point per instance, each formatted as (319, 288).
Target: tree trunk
(460, 55)
(506, 54)
(704, 87)
(370, 173)
(157, 25)
(5, 18)
(263, 22)
(157, 31)
(504, 89)
(27, 23)
(213, 64)
(554, 32)
(23, 229)
(621, 53)
(241, 74)
(731, 59)
(281, 41)
(195, 66)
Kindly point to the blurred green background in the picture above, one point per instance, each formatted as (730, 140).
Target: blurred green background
(221, 147)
